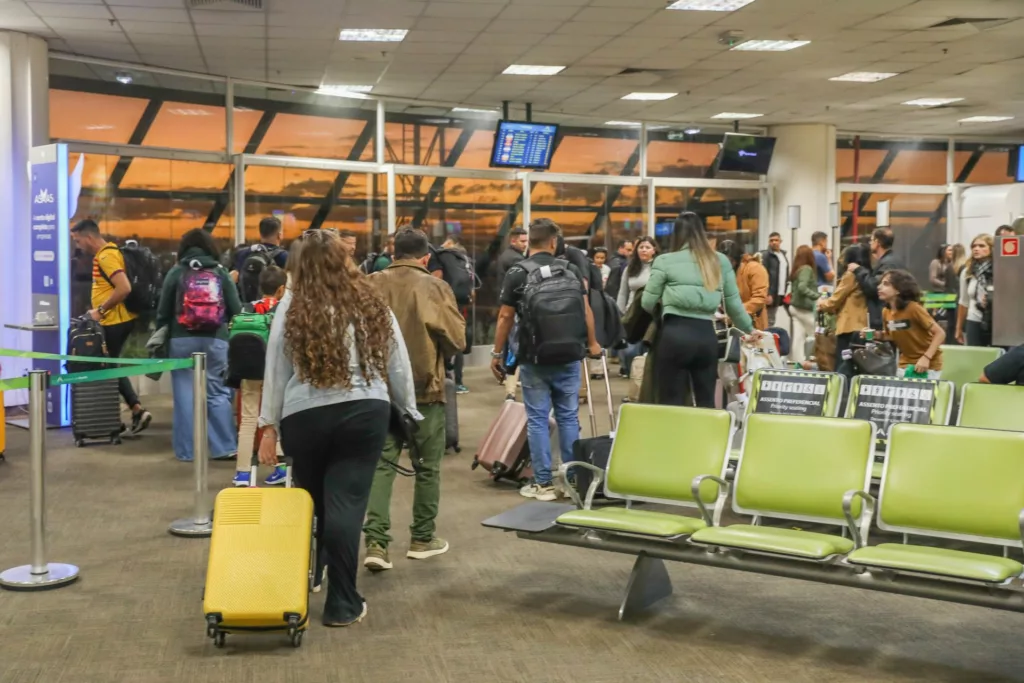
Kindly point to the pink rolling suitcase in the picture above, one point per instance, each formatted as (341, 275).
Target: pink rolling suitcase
(504, 452)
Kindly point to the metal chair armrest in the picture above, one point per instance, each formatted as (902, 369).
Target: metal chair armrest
(563, 477)
(859, 530)
(711, 519)
(1020, 523)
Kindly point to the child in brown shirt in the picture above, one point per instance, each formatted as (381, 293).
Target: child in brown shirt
(908, 325)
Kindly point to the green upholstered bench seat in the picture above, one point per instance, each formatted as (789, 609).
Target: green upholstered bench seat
(643, 522)
(928, 560)
(793, 542)
(877, 469)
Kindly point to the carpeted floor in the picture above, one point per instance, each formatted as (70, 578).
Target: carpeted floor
(496, 608)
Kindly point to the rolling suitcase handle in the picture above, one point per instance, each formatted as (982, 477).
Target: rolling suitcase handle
(254, 469)
(590, 394)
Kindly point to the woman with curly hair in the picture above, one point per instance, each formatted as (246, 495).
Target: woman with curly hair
(336, 361)
(909, 326)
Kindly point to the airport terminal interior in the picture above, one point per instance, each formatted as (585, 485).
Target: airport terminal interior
(824, 123)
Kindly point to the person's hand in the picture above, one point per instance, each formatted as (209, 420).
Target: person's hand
(960, 338)
(922, 365)
(771, 300)
(828, 253)
(498, 370)
(95, 315)
(594, 350)
(268, 447)
(852, 267)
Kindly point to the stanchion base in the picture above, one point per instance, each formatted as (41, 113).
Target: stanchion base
(190, 528)
(22, 579)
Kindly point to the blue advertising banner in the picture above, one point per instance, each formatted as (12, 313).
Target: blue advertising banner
(50, 267)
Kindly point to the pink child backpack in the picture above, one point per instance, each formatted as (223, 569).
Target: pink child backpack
(201, 306)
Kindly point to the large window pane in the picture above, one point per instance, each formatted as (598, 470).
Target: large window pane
(892, 162)
(693, 158)
(732, 214)
(987, 164)
(592, 215)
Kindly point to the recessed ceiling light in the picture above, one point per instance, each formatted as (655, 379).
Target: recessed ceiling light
(986, 119)
(343, 89)
(650, 96)
(373, 35)
(710, 5)
(691, 131)
(189, 112)
(864, 76)
(771, 45)
(123, 77)
(532, 70)
(933, 101)
(632, 124)
(472, 110)
(734, 116)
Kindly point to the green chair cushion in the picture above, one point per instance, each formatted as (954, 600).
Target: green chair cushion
(774, 540)
(942, 561)
(643, 522)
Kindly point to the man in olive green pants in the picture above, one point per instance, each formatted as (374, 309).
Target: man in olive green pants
(433, 330)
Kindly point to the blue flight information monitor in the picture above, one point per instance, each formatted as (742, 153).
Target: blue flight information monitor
(520, 144)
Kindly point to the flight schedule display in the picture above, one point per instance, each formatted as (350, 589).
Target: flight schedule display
(520, 144)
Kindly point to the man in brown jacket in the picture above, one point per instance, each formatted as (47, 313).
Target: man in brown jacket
(433, 330)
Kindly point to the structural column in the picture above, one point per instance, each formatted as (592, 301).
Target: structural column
(24, 123)
(803, 173)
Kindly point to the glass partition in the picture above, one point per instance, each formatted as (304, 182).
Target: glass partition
(727, 213)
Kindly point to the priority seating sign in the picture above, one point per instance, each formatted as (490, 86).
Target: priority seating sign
(885, 401)
(791, 393)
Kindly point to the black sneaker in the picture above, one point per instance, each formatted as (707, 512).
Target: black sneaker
(140, 421)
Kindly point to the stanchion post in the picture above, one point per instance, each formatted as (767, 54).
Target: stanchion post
(200, 524)
(39, 574)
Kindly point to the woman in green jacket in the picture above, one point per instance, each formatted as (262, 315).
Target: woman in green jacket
(691, 284)
(804, 302)
(197, 301)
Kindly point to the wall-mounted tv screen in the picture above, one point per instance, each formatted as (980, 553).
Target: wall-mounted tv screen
(746, 154)
(521, 144)
(1019, 165)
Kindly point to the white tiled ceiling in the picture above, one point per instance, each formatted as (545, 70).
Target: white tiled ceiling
(456, 49)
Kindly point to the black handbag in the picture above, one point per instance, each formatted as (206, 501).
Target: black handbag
(876, 358)
(636, 321)
(729, 341)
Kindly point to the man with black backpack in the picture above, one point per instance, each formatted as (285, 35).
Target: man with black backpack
(252, 260)
(452, 264)
(556, 332)
(111, 290)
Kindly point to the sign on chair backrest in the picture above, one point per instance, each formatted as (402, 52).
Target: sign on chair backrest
(793, 392)
(885, 401)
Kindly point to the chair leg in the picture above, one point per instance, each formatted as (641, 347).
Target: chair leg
(648, 584)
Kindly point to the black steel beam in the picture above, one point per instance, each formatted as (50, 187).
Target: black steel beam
(613, 192)
(255, 140)
(876, 177)
(437, 187)
(137, 137)
(331, 198)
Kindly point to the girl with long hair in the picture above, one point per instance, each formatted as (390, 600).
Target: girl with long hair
(336, 361)
(908, 325)
(635, 278)
(941, 275)
(974, 312)
(805, 298)
(690, 284)
(848, 304)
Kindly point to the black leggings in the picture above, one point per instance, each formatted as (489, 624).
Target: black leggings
(687, 351)
(975, 335)
(334, 450)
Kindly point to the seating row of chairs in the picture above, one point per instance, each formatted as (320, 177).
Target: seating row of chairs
(938, 484)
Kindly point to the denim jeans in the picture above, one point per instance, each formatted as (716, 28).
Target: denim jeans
(628, 355)
(220, 416)
(545, 386)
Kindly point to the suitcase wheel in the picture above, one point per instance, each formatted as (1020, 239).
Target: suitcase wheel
(219, 638)
(115, 440)
(476, 463)
(295, 638)
(80, 443)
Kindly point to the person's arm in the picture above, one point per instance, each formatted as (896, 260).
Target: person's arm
(733, 304)
(758, 291)
(506, 318)
(622, 298)
(867, 283)
(276, 374)
(1006, 369)
(826, 264)
(936, 275)
(168, 294)
(938, 337)
(806, 283)
(962, 307)
(654, 289)
(446, 324)
(231, 297)
(594, 347)
(400, 379)
(112, 269)
(842, 292)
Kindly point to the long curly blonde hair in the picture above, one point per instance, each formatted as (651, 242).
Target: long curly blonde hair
(332, 300)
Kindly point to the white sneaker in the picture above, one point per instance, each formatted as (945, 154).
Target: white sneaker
(539, 492)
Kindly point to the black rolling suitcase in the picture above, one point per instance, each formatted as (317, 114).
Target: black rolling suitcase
(451, 416)
(595, 450)
(95, 406)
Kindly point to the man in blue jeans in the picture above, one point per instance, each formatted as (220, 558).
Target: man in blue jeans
(556, 332)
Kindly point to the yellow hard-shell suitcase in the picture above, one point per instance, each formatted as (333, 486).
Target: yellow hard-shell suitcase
(261, 562)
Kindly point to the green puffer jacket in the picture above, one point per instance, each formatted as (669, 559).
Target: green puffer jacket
(805, 289)
(676, 282)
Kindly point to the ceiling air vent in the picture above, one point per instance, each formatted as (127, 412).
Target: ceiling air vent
(226, 4)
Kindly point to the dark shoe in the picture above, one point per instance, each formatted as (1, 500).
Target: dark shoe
(337, 624)
(140, 421)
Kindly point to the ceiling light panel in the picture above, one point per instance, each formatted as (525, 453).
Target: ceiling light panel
(933, 101)
(471, 110)
(864, 76)
(650, 96)
(373, 35)
(770, 45)
(735, 116)
(710, 5)
(343, 89)
(532, 70)
(986, 119)
(630, 124)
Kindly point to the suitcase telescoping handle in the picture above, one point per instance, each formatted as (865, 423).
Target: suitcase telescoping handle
(590, 394)
(254, 469)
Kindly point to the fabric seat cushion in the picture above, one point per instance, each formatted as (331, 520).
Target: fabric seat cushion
(793, 542)
(643, 522)
(942, 561)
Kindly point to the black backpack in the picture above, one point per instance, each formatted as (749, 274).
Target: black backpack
(145, 275)
(85, 339)
(552, 316)
(458, 273)
(260, 257)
